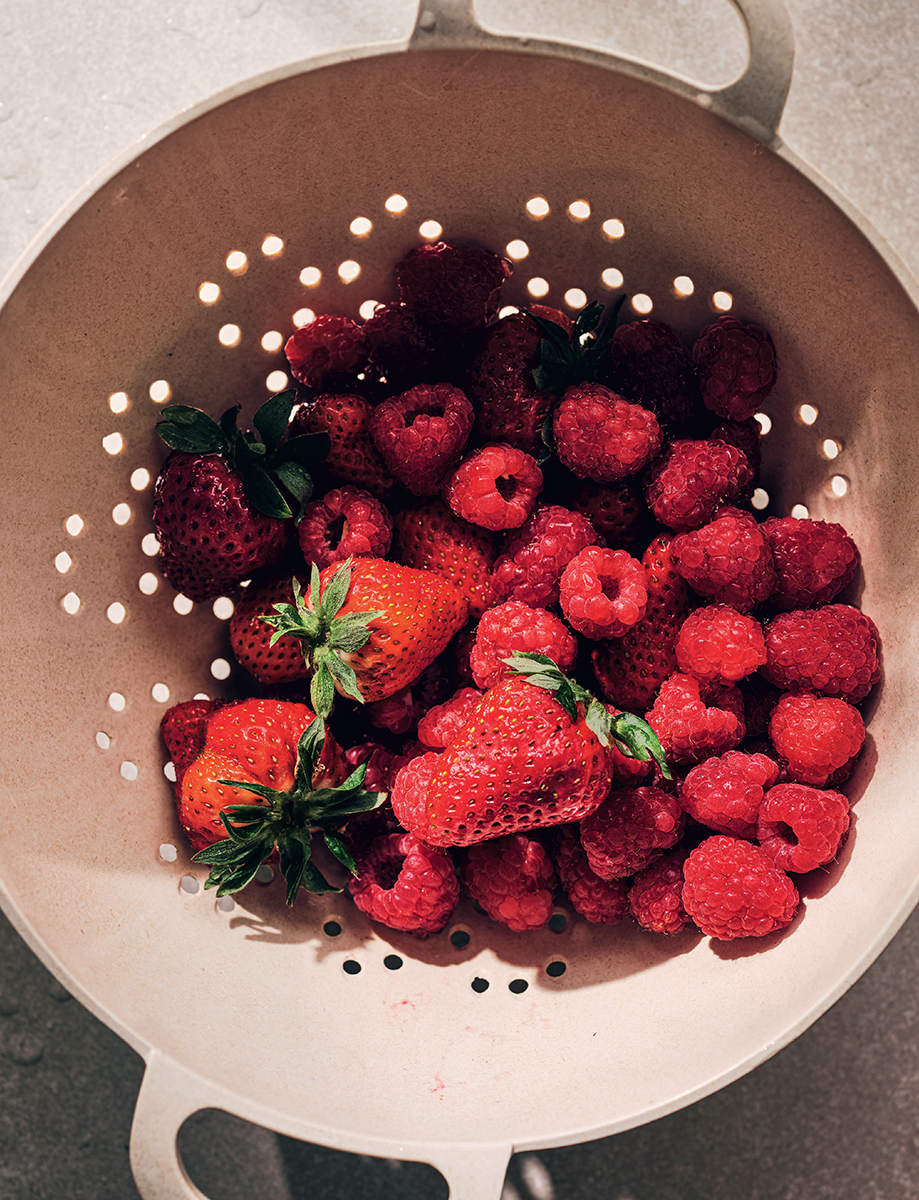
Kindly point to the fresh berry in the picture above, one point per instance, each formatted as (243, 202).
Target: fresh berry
(530, 565)
(403, 350)
(728, 560)
(421, 434)
(398, 713)
(617, 512)
(815, 735)
(648, 363)
(183, 729)
(441, 723)
(603, 593)
(630, 669)
(733, 889)
(513, 879)
(430, 537)
(629, 771)
(831, 650)
(735, 365)
(499, 381)
(725, 792)
(631, 828)
(378, 777)
(600, 901)
(515, 628)
(801, 828)
(656, 894)
(454, 288)
(271, 661)
(814, 561)
(496, 487)
(690, 479)
(405, 885)
(353, 457)
(747, 436)
(694, 722)
(346, 522)
(329, 352)
(716, 643)
(600, 436)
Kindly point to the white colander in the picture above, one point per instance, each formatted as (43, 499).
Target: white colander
(178, 276)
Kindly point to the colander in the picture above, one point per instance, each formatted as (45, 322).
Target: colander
(178, 276)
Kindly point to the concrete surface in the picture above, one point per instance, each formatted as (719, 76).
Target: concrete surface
(834, 1115)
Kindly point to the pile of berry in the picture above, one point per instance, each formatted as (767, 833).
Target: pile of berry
(508, 623)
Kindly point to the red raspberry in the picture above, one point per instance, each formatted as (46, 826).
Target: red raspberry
(814, 560)
(630, 829)
(800, 827)
(831, 650)
(728, 560)
(379, 759)
(513, 879)
(431, 537)
(346, 521)
(455, 288)
(403, 350)
(329, 352)
(718, 644)
(617, 512)
(421, 434)
(496, 487)
(656, 894)
(725, 792)
(440, 724)
(816, 735)
(397, 713)
(603, 593)
(733, 889)
(648, 363)
(693, 722)
(690, 480)
(534, 557)
(600, 901)
(515, 628)
(747, 437)
(600, 436)
(735, 365)
(405, 884)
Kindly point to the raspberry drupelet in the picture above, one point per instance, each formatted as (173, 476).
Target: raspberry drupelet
(800, 827)
(735, 365)
(656, 894)
(694, 721)
(630, 829)
(600, 901)
(690, 479)
(725, 792)
(405, 884)
(530, 564)
(516, 628)
(600, 436)
(329, 352)
(727, 560)
(815, 735)
(346, 521)
(733, 889)
(513, 879)
(717, 643)
(603, 593)
(496, 487)
(833, 651)
(421, 434)
(814, 561)
(452, 288)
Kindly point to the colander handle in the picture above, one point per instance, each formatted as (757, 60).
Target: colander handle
(755, 100)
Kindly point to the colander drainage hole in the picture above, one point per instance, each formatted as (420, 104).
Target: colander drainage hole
(331, 929)
(557, 922)
(479, 985)
(554, 969)
(351, 967)
(517, 986)
(460, 939)
(392, 962)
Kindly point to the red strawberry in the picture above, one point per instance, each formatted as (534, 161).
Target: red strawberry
(353, 457)
(432, 538)
(183, 728)
(267, 779)
(268, 659)
(630, 669)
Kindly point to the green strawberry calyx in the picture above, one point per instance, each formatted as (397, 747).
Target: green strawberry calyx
(269, 467)
(632, 735)
(326, 637)
(567, 360)
(288, 822)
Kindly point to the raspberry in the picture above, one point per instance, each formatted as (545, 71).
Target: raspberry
(718, 644)
(831, 650)
(329, 352)
(514, 627)
(814, 560)
(693, 722)
(378, 777)
(513, 879)
(816, 735)
(733, 889)
(735, 365)
(630, 829)
(648, 363)
(421, 434)
(440, 724)
(617, 512)
(405, 884)
(534, 557)
(431, 537)
(725, 792)
(495, 487)
(403, 350)
(346, 521)
(603, 593)
(656, 894)
(600, 436)
(800, 827)
(454, 288)
(600, 901)
(747, 437)
(397, 713)
(727, 560)
(691, 479)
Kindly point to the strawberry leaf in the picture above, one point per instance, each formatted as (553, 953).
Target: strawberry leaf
(273, 418)
(191, 431)
(339, 848)
(263, 494)
(636, 739)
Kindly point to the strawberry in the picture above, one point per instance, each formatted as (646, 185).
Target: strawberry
(268, 659)
(218, 509)
(183, 728)
(533, 753)
(369, 627)
(353, 457)
(630, 669)
(268, 778)
(430, 537)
